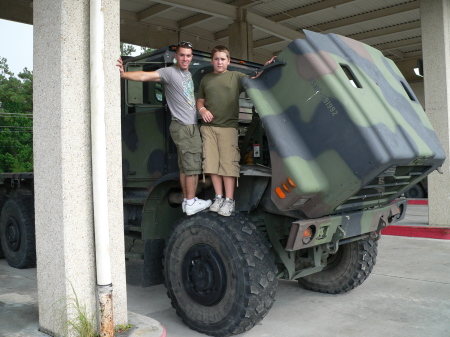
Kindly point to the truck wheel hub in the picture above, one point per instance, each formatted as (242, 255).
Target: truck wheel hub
(12, 234)
(204, 275)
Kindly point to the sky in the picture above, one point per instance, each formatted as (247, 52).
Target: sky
(16, 45)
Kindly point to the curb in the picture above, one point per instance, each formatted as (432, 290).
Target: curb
(429, 232)
(417, 201)
(143, 326)
(442, 233)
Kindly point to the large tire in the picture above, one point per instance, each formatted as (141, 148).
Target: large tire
(219, 273)
(347, 269)
(415, 192)
(153, 256)
(17, 232)
(2, 202)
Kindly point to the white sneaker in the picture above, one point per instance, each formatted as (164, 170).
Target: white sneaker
(218, 202)
(227, 207)
(197, 206)
(183, 206)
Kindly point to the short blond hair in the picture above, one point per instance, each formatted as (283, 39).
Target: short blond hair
(220, 49)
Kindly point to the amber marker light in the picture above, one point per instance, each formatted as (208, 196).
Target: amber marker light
(307, 235)
(286, 187)
(280, 193)
(291, 182)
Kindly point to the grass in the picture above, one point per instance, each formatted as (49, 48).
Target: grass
(122, 327)
(82, 324)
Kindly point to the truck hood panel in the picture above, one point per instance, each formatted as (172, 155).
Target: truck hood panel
(343, 126)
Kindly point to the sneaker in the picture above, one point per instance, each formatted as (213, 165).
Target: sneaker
(227, 207)
(183, 206)
(197, 206)
(218, 202)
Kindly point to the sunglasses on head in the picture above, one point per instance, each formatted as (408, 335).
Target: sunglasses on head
(185, 44)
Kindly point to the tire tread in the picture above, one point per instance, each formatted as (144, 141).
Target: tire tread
(255, 259)
(363, 255)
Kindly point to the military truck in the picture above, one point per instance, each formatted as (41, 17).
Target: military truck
(330, 135)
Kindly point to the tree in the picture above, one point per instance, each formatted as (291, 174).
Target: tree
(126, 49)
(16, 116)
(145, 50)
(16, 120)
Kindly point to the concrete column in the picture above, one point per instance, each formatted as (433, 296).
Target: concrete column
(240, 37)
(62, 163)
(417, 87)
(114, 158)
(435, 19)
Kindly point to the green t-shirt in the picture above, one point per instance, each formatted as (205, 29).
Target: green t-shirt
(221, 94)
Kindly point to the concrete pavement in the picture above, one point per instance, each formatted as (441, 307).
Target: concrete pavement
(407, 295)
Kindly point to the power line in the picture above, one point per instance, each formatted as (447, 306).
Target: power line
(16, 127)
(15, 114)
(7, 147)
(26, 117)
(16, 131)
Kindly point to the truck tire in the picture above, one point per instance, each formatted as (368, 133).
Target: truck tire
(347, 269)
(219, 273)
(152, 273)
(17, 232)
(2, 202)
(415, 192)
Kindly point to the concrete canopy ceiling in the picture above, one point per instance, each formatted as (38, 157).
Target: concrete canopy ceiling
(392, 26)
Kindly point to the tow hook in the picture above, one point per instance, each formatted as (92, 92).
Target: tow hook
(375, 236)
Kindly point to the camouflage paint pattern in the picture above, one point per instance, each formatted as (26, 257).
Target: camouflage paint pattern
(143, 146)
(344, 147)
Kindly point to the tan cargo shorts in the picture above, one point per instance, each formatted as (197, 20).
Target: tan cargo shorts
(220, 151)
(189, 146)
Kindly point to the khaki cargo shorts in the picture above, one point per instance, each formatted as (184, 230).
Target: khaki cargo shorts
(220, 151)
(189, 146)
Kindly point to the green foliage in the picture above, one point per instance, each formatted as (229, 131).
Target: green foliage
(122, 327)
(82, 324)
(126, 49)
(145, 50)
(16, 120)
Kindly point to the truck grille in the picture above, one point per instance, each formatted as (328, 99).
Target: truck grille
(386, 186)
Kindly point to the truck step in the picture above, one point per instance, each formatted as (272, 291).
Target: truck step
(134, 255)
(132, 228)
(134, 201)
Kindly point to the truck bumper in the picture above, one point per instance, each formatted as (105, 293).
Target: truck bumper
(313, 232)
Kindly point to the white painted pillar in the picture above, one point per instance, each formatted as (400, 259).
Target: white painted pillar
(435, 22)
(62, 162)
